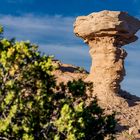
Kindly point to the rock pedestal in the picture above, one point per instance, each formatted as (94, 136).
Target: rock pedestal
(106, 32)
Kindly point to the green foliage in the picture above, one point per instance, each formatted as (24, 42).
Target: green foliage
(26, 86)
(1, 29)
(79, 116)
(33, 107)
(80, 69)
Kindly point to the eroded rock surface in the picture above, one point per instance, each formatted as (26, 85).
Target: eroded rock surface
(68, 72)
(106, 32)
(106, 23)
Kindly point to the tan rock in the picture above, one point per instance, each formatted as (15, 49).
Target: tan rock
(106, 32)
(67, 72)
(133, 130)
(106, 23)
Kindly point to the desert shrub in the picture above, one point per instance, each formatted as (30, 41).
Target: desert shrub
(33, 107)
(79, 116)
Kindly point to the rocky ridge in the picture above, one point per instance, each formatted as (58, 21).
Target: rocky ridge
(127, 113)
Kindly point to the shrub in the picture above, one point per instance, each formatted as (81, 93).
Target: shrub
(33, 107)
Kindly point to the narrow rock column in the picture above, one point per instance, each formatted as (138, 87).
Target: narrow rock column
(107, 70)
(106, 32)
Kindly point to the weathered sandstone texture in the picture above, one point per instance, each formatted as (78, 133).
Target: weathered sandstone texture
(106, 32)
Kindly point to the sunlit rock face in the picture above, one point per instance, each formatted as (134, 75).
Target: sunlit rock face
(106, 32)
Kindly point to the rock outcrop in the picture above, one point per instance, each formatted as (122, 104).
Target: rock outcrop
(127, 113)
(68, 72)
(106, 32)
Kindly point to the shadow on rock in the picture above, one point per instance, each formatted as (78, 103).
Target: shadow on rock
(132, 100)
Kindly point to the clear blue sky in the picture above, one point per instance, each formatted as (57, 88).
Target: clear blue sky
(66, 7)
(49, 23)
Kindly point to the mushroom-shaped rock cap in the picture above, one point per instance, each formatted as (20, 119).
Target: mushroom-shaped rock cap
(106, 23)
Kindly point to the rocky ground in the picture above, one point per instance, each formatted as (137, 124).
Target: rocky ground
(67, 72)
(127, 111)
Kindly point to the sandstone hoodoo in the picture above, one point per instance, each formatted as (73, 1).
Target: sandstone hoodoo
(106, 32)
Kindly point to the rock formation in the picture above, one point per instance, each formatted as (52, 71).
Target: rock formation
(106, 32)
(68, 72)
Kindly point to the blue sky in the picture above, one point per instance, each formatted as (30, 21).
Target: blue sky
(49, 23)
